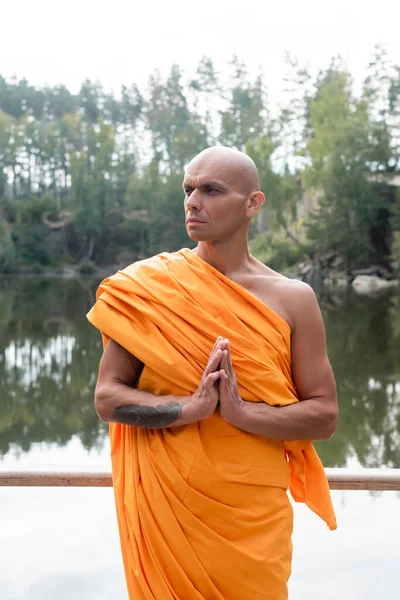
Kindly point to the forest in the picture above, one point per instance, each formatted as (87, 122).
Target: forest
(94, 178)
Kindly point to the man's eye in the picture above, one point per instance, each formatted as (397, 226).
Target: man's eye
(212, 190)
(188, 191)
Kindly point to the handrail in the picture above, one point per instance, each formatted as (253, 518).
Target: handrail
(339, 479)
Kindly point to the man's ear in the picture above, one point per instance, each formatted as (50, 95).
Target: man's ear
(254, 203)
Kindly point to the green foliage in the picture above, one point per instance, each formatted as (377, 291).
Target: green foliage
(33, 244)
(37, 268)
(97, 176)
(86, 267)
(347, 148)
(281, 189)
(365, 329)
(6, 247)
(278, 252)
(47, 380)
(246, 116)
(30, 238)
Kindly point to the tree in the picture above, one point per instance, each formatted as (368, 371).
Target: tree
(339, 155)
(281, 189)
(293, 122)
(6, 123)
(90, 99)
(6, 246)
(246, 116)
(109, 166)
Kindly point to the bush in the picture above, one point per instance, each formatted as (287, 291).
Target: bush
(86, 267)
(32, 244)
(7, 250)
(37, 268)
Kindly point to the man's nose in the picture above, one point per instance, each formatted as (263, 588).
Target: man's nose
(194, 200)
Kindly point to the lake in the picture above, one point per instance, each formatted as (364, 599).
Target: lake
(63, 542)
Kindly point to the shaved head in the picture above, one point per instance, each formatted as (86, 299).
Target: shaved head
(222, 194)
(230, 165)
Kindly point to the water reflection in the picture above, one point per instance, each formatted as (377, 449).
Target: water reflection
(364, 347)
(49, 357)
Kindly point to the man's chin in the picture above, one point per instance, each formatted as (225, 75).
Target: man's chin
(197, 236)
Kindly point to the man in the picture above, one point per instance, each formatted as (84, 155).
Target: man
(214, 378)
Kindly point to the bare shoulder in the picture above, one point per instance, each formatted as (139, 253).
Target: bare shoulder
(289, 298)
(297, 291)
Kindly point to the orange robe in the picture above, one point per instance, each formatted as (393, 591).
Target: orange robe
(202, 510)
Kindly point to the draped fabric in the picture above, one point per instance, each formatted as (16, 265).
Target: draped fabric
(202, 509)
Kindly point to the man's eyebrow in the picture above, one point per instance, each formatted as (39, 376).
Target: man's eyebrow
(204, 184)
(213, 184)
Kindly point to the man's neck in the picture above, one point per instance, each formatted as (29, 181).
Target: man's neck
(228, 259)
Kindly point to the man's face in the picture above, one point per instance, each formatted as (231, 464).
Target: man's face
(215, 199)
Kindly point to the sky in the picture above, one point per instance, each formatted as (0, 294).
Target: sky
(121, 42)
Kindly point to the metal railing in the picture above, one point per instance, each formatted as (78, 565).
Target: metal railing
(339, 479)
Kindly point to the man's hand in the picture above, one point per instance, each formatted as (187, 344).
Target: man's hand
(230, 403)
(203, 402)
(306, 420)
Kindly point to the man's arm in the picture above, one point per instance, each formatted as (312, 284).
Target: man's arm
(316, 415)
(118, 401)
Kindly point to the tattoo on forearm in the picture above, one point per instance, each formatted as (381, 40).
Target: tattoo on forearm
(149, 416)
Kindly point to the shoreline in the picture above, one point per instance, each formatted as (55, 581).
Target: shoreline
(64, 273)
(364, 283)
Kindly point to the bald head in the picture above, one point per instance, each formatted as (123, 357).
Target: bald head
(222, 194)
(231, 165)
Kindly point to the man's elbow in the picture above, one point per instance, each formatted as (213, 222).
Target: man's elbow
(102, 403)
(331, 421)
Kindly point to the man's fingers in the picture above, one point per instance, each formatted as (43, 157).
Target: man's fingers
(214, 352)
(215, 347)
(228, 359)
(226, 364)
(217, 341)
(221, 343)
(219, 353)
(211, 379)
(231, 371)
(213, 362)
(229, 362)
